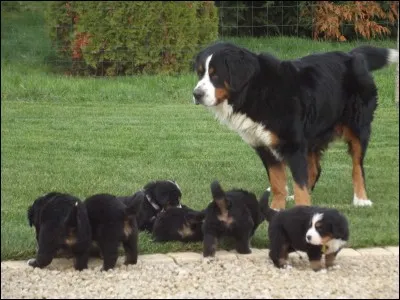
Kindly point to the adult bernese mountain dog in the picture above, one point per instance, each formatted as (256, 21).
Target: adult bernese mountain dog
(289, 111)
(315, 230)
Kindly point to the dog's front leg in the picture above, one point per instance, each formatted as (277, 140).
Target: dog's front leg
(209, 245)
(81, 260)
(314, 256)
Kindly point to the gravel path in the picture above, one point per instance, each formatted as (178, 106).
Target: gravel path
(364, 274)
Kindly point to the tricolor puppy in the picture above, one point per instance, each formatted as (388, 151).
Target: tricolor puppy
(179, 224)
(113, 223)
(289, 111)
(155, 197)
(61, 223)
(235, 213)
(315, 230)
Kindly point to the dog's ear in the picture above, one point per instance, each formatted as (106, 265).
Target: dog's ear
(340, 227)
(241, 66)
(31, 215)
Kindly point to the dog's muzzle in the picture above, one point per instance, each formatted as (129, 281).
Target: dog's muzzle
(198, 95)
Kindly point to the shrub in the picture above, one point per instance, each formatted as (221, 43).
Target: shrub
(130, 37)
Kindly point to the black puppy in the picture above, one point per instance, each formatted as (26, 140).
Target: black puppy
(155, 196)
(312, 229)
(179, 224)
(235, 213)
(113, 222)
(61, 222)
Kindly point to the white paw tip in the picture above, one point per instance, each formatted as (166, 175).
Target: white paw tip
(269, 189)
(30, 261)
(361, 202)
(323, 271)
(290, 198)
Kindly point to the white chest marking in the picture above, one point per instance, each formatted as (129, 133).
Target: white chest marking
(251, 132)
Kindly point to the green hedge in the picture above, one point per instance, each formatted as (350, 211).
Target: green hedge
(130, 37)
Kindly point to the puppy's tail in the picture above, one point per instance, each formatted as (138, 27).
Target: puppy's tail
(264, 207)
(218, 195)
(375, 57)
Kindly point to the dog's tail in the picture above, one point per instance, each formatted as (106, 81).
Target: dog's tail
(78, 218)
(377, 57)
(218, 195)
(264, 207)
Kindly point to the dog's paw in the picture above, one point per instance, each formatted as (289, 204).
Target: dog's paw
(290, 198)
(334, 267)
(31, 262)
(208, 259)
(361, 202)
(322, 271)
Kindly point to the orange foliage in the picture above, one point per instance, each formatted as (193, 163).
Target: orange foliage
(328, 17)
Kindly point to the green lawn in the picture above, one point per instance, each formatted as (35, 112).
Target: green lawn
(87, 135)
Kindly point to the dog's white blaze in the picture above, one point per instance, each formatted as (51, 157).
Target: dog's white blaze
(207, 87)
(361, 202)
(251, 132)
(334, 245)
(312, 232)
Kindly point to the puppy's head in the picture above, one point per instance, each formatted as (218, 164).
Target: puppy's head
(166, 193)
(326, 227)
(223, 70)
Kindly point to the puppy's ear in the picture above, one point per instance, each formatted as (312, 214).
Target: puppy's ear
(241, 66)
(31, 214)
(340, 228)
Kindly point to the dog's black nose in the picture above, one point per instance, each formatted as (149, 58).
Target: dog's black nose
(308, 237)
(198, 94)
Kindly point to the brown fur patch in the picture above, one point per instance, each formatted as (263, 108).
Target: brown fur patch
(211, 71)
(71, 238)
(127, 228)
(185, 231)
(330, 260)
(301, 195)
(356, 154)
(200, 69)
(325, 239)
(312, 163)
(315, 265)
(221, 94)
(277, 178)
(284, 255)
(225, 218)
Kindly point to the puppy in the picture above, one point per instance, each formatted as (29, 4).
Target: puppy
(315, 230)
(61, 222)
(155, 197)
(235, 213)
(113, 223)
(179, 224)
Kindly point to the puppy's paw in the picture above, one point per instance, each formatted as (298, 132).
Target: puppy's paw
(31, 262)
(334, 267)
(208, 259)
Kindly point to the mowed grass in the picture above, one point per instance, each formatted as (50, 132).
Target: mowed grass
(91, 135)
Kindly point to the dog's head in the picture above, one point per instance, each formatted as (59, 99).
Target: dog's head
(328, 228)
(224, 72)
(165, 193)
